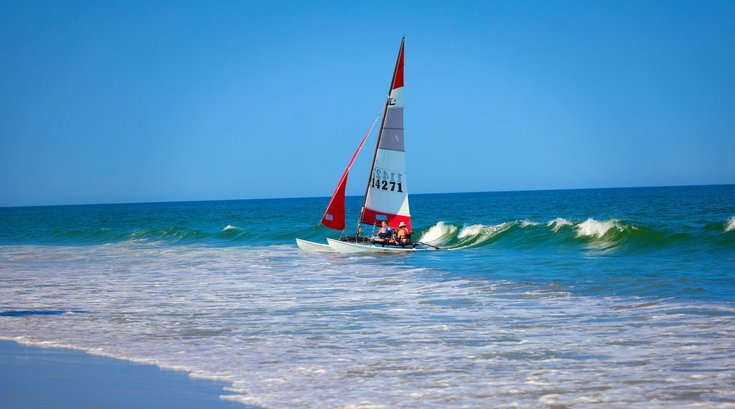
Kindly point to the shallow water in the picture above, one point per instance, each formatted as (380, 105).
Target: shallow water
(603, 298)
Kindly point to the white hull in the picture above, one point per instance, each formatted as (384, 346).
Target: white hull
(354, 248)
(311, 247)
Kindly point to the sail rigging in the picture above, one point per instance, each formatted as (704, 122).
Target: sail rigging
(386, 194)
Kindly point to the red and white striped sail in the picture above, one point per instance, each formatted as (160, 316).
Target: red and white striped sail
(334, 216)
(387, 192)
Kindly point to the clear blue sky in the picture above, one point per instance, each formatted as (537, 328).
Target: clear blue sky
(119, 101)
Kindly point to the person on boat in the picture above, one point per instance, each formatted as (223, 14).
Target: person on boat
(385, 234)
(403, 236)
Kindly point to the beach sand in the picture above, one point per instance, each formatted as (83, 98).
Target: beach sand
(32, 377)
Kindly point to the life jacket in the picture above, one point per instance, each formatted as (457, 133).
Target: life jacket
(388, 232)
(406, 235)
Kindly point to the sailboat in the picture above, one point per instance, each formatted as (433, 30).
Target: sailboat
(386, 192)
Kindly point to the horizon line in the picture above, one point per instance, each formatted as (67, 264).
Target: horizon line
(319, 197)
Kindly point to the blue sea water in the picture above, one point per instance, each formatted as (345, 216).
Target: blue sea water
(598, 297)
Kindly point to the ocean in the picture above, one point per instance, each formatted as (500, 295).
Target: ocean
(570, 298)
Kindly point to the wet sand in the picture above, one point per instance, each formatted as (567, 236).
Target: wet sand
(33, 377)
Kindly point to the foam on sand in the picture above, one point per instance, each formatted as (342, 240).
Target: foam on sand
(287, 329)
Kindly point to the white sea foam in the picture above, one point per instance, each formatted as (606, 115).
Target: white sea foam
(439, 234)
(730, 224)
(479, 233)
(595, 228)
(230, 227)
(471, 231)
(527, 223)
(290, 330)
(558, 223)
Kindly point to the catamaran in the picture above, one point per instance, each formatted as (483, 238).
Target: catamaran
(386, 193)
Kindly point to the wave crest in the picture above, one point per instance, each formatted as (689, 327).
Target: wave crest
(730, 224)
(590, 233)
(439, 234)
(558, 223)
(527, 223)
(470, 231)
(468, 236)
(480, 233)
(595, 228)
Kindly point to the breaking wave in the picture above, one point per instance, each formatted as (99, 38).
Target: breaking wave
(598, 229)
(527, 223)
(607, 235)
(730, 224)
(554, 234)
(558, 223)
(479, 234)
(439, 234)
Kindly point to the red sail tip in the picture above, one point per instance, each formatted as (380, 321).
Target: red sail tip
(398, 78)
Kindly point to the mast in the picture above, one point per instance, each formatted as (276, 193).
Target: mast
(380, 136)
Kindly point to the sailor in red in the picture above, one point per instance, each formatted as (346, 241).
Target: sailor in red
(403, 236)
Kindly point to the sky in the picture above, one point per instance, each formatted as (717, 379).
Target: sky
(127, 101)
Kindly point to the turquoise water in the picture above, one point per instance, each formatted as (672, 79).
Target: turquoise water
(579, 297)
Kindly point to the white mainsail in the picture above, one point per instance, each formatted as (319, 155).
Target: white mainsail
(386, 196)
(386, 193)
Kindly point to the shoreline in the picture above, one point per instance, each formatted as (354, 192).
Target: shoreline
(43, 377)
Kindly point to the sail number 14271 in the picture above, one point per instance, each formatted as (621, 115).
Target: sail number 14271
(386, 180)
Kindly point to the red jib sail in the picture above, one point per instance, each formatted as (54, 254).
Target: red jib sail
(334, 216)
(386, 195)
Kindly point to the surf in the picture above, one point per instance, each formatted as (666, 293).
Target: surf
(609, 234)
